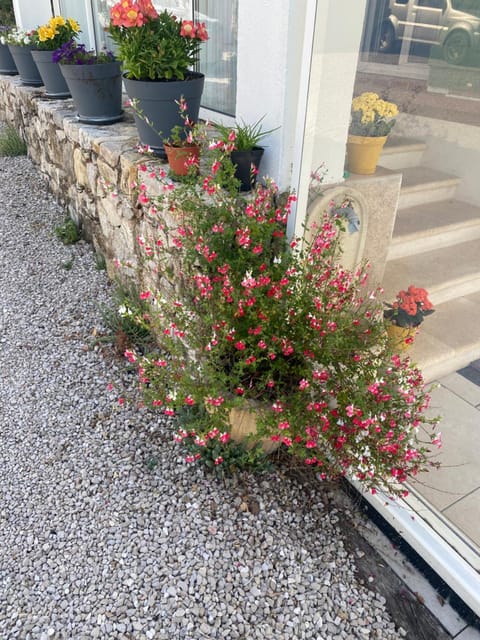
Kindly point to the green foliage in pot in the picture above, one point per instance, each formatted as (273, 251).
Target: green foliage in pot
(246, 317)
(243, 136)
(154, 46)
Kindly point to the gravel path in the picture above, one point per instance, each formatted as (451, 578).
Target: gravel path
(104, 532)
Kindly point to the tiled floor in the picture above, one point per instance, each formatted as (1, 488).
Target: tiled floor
(454, 489)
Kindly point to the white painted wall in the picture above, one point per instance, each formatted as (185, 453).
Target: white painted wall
(29, 14)
(338, 31)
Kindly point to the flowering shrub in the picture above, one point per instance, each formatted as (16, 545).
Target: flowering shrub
(154, 46)
(56, 32)
(409, 308)
(246, 318)
(73, 53)
(372, 116)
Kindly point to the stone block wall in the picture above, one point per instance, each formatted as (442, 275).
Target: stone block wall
(83, 164)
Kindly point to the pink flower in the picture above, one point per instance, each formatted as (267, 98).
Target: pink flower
(187, 30)
(240, 345)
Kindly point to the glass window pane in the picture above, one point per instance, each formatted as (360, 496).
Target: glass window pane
(219, 54)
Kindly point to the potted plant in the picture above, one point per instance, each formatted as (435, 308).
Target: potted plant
(250, 323)
(20, 45)
(405, 315)
(371, 122)
(157, 51)
(184, 144)
(94, 80)
(246, 153)
(7, 63)
(46, 39)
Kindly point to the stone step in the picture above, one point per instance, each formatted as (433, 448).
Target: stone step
(421, 185)
(449, 339)
(445, 273)
(433, 226)
(400, 152)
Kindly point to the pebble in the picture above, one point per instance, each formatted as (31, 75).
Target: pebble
(96, 544)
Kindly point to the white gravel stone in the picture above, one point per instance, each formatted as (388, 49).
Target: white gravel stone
(96, 544)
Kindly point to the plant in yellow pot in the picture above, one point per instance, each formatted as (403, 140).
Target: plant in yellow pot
(405, 315)
(371, 121)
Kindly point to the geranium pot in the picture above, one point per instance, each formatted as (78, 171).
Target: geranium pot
(7, 63)
(155, 106)
(400, 338)
(96, 91)
(52, 77)
(363, 153)
(243, 161)
(27, 69)
(182, 159)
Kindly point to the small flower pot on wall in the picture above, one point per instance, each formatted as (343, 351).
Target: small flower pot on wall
(96, 91)
(7, 64)
(363, 153)
(52, 77)
(183, 160)
(28, 70)
(243, 161)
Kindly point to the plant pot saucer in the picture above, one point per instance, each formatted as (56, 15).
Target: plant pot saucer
(99, 119)
(31, 83)
(57, 96)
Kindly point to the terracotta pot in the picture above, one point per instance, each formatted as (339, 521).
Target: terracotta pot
(182, 159)
(401, 338)
(363, 153)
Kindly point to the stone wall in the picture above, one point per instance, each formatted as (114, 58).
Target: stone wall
(83, 165)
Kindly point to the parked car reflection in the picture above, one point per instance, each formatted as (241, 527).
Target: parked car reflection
(454, 25)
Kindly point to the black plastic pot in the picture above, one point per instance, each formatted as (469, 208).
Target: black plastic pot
(96, 91)
(7, 63)
(27, 69)
(55, 85)
(243, 161)
(156, 110)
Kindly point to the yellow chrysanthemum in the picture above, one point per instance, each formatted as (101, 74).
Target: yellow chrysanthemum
(45, 33)
(74, 24)
(57, 21)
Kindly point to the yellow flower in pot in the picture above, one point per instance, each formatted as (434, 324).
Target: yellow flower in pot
(371, 121)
